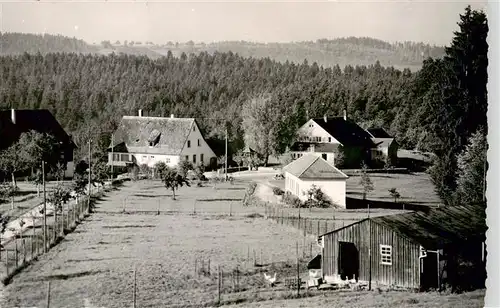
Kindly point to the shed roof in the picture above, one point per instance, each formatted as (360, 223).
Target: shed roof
(312, 167)
(437, 227)
(39, 120)
(378, 132)
(346, 132)
(137, 132)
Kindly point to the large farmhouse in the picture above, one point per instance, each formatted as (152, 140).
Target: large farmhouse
(419, 250)
(324, 136)
(15, 122)
(147, 140)
(310, 170)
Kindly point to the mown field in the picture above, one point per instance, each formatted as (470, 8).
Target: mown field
(95, 263)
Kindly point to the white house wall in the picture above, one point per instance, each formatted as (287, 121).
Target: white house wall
(196, 148)
(152, 159)
(334, 189)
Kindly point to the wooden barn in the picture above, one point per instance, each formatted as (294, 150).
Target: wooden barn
(416, 250)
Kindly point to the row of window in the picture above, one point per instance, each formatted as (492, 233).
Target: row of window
(189, 143)
(194, 158)
(315, 139)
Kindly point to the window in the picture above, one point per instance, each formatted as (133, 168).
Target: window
(194, 159)
(199, 143)
(311, 125)
(194, 128)
(201, 158)
(189, 143)
(152, 156)
(116, 157)
(144, 157)
(329, 139)
(386, 254)
(187, 157)
(167, 160)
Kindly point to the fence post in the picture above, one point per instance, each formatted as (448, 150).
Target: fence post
(208, 267)
(7, 260)
(135, 286)
(196, 267)
(17, 256)
(24, 250)
(219, 284)
(48, 294)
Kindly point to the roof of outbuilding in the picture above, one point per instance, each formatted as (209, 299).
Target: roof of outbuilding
(39, 120)
(136, 132)
(378, 132)
(439, 226)
(311, 167)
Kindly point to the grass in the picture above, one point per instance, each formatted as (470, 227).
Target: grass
(414, 188)
(97, 261)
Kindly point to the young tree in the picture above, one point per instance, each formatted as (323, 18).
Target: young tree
(160, 168)
(472, 166)
(239, 158)
(261, 125)
(11, 162)
(395, 194)
(172, 179)
(8, 191)
(184, 166)
(59, 196)
(365, 181)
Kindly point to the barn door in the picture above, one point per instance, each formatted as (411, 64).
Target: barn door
(348, 260)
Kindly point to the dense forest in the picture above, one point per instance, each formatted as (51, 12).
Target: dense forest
(327, 53)
(430, 110)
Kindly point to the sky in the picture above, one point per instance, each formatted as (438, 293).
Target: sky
(160, 21)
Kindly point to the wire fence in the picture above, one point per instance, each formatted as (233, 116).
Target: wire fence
(31, 241)
(208, 282)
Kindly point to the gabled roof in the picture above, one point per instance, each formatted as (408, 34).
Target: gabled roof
(346, 132)
(318, 146)
(312, 167)
(378, 132)
(39, 120)
(168, 134)
(437, 227)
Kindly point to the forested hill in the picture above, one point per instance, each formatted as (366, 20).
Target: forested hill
(328, 53)
(18, 43)
(92, 92)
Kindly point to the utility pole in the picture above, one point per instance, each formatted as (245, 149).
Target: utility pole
(44, 209)
(90, 173)
(369, 250)
(112, 156)
(225, 157)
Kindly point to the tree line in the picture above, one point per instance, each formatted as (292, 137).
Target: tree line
(440, 109)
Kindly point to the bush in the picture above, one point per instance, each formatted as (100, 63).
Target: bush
(292, 200)
(316, 198)
(278, 191)
(249, 194)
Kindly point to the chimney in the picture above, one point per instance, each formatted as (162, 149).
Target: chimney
(172, 116)
(140, 112)
(324, 118)
(13, 115)
(345, 115)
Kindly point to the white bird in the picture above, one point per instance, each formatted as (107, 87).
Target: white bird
(271, 280)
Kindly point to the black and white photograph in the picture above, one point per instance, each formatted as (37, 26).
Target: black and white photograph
(247, 153)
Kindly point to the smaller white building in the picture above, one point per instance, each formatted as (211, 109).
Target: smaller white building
(311, 169)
